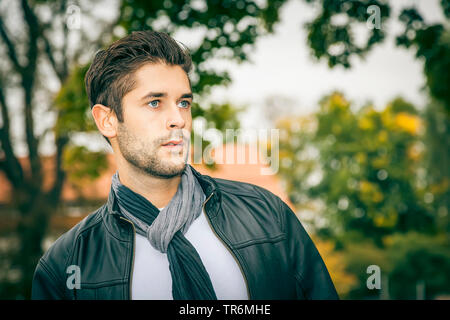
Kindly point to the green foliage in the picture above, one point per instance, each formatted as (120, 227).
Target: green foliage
(368, 162)
(358, 255)
(83, 165)
(405, 260)
(437, 159)
(335, 42)
(375, 197)
(72, 105)
(415, 257)
(80, 164)
(432, 44)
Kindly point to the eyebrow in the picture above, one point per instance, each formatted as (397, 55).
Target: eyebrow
(164, 94)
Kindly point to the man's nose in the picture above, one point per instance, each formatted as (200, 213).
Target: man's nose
(175, 118)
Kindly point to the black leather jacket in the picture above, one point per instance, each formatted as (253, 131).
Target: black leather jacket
(275, 254)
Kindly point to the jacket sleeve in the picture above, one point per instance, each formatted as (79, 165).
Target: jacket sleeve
(313, 281)
(45, 284)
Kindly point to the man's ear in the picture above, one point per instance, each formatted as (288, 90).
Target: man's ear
(105, 119)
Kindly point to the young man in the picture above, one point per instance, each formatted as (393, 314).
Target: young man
(167, 231)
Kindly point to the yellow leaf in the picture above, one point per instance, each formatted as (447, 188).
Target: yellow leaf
(408, 123)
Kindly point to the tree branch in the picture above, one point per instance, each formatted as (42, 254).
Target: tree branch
(64, 64)
(61, 69)
(12, 53)
(55, 192)
(11, 165)
(28, 78)
(49, 51)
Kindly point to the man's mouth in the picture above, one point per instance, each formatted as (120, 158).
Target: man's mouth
(173, 143)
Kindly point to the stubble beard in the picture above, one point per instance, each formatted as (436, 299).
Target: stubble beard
(143, 155)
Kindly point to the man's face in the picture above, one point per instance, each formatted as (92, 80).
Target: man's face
(156, 111)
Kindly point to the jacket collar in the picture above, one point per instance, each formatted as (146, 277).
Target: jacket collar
(212, 203)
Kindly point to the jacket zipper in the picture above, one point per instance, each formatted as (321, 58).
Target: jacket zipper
(132, 261)
(226, 246)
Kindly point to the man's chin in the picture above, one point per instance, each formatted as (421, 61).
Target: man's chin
(168, 171)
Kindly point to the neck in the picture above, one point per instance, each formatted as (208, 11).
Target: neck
(159, 191)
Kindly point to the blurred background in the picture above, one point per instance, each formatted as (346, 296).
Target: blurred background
(359, 91)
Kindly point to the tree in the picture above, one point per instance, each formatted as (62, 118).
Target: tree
(334, 40)
(418, 260)
(362, 173)
(361, 168)
(43, 40)
(24, 52)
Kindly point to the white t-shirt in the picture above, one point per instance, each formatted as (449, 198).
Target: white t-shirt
(151, 278)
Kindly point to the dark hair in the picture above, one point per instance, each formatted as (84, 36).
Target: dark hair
(111, 74)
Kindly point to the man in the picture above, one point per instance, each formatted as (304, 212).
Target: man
(167, 231)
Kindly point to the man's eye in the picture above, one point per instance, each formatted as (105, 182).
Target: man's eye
(185, 104)
(154, 103)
